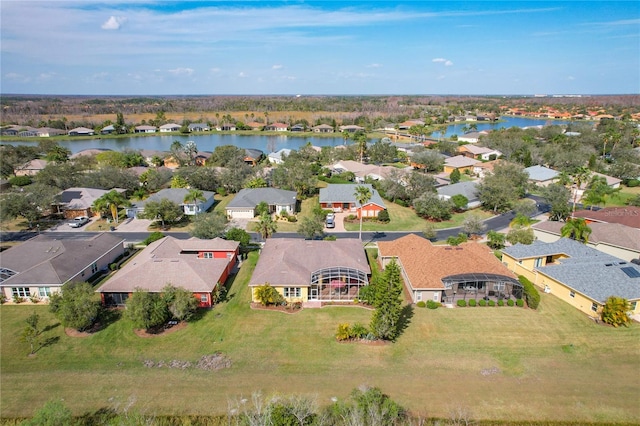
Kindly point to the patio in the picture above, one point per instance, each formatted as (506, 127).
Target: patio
(480, 286)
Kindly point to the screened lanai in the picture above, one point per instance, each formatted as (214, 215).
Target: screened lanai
(480, 286)
(336, 284)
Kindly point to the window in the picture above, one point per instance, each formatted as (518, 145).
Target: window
(435, 297)
(572, 293)
(594, 307)
(94, 268)
(634, 305)
(44, 291)
(20, 292)
(204, 298)
(207, 255)
(292, 292)
(418, 296)
(549, 259)
(498, 286)
(538, 262)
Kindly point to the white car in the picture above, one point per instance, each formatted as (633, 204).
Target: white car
(79, 221)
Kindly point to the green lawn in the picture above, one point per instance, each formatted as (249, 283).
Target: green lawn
(622, 198)
(548, 364)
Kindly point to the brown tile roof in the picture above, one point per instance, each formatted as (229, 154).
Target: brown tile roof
(163, 262)
(291, 261)
(629, 215)
(426, 265)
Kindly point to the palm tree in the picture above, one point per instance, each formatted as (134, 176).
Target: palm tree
(362, 194)
(194, 195)
(576, 229)
(579, 176)
(110, 202)
(266, 227)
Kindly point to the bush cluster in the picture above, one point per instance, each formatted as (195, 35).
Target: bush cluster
(510, 302)
(357, 331)
(154, 236)
(462, 303)
(432, 305)
(531, 295)
(482, 302)
(520, 303)
(421, 304)
(472, 303)
(500, 302)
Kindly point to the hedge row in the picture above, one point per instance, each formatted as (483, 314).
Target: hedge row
(473, 302)
(531, 295)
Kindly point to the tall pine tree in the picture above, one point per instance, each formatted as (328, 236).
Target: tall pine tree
(387, 303)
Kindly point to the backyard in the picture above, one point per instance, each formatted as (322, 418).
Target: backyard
(497, 363)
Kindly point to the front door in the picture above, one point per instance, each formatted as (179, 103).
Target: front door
(313, 293)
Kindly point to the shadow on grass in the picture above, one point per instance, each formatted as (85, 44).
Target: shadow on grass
(49, 341)
(101, 416)
(50, 327)
(405, 318)
(106, 318)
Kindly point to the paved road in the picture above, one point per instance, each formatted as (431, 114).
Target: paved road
(495, 223)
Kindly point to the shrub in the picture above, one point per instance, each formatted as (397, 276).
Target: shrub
(432, 304)
(343, 332)
(358, 331)
(472, 302)
(491, 303)
(18, 299)
(34, 298)
(292, 219)
(383, 216)
(222, 191)
(268, 295)
(113, 266)
(3, 299)
(520, 303)
(531, 295)
(462, 303)
(366, 294)
(500, 302)
(421, 304)
(615, 311)
(633, 183)
(154, 236)
(402, 203)
(510, 302)
(20, 180)
(482, 302)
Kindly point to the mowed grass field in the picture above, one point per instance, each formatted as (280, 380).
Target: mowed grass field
(553, 363)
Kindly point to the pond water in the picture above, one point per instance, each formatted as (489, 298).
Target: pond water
(267, 144)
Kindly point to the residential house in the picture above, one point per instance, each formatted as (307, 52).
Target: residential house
(276, 127)
(298, 128)
(226, 127)
(406, 125)
(576, 273)
(483, 169)
(46, 132)
(243, 205)
(145, 129)
(107, 130)
(322, 128)
(612, 238)
(252, 156)
(363, 171)
(28, 132)
(479, 152)
(612, 182)
(199, 127)
(446, 274)
(312, 271)
(31, 168)
(176, 195)
(627, 215)
(75, 202)
(342, 197)
(40, 266)
(470, 137)
(279, 156)
(459, 162)
(81, 131)
(541, 175)
(351, 128)
(89, 152)
(468, 189)
(170, 127)
(254, 125)
(199, 266)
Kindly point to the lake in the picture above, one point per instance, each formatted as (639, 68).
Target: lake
(267, 144)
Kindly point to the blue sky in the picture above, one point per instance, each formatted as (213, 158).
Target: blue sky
(298, 47)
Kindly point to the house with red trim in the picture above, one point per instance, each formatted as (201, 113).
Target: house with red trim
(342, 198)
(200, 266)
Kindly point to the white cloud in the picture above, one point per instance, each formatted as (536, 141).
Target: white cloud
(113, 23)
(446, 62)
(276, 67)
(46, 76)
(374, 66)
(571, 78)
(242, 74)
(17, 77)
(182, 71)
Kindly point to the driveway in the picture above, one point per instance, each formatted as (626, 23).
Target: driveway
(339, 223)
(133, 225)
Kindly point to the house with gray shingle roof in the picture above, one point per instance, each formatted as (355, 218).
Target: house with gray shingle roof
(468, 189)
(277, 157)
(612, 238)
(176, 195)
(74, 202)
(576, 273)
(200, 266)
(243, 205)
(199, 127)
(40, 266)
(541, 175)
(342, 197)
